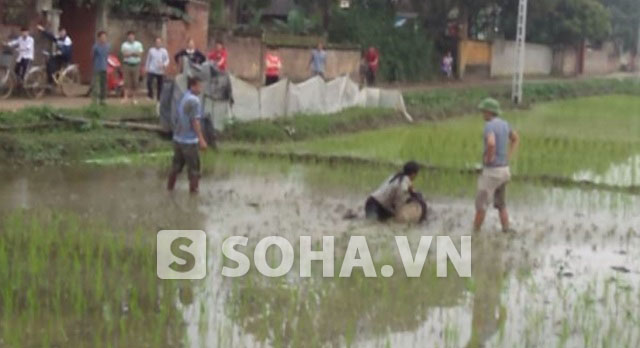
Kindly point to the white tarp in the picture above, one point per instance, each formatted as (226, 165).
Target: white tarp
(273, 100)
(313, 96)
(246, 97)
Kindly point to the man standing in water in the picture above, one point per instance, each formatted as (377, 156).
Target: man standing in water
(500, 142)
(188, 137)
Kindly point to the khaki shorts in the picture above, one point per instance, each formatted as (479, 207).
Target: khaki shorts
(131, 76)
(492, 183)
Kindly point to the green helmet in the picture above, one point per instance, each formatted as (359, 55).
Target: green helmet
(490, 105)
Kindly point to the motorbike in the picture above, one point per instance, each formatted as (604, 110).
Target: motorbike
(115, 77)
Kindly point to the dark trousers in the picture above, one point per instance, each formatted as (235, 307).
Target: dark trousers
(271, 79)
(100, 85)
(371, 77)
(53, 65)
(374, 210)
(159, 82)
(21, 68)
(185, 154)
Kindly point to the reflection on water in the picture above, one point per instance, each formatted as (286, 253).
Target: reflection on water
(552, 284)
(626, 173)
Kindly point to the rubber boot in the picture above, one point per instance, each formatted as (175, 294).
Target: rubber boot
(171, 182)
(193, 184)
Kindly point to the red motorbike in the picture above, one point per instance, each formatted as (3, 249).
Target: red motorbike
(115, 78)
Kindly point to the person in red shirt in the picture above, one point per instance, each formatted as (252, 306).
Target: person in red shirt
(372, 58)
(273, 65)
(219, 56)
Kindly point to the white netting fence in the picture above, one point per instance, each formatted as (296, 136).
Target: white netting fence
(311, 97)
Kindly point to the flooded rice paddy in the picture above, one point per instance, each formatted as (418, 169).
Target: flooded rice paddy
(569, 277)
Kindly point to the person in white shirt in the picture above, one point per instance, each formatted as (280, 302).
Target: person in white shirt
(394, 193)
(157, 63)
(25, 48)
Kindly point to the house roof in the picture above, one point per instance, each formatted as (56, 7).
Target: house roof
(279, 8)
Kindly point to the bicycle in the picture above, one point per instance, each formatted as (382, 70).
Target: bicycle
(66, 80)
(8, 78)
(33, 83)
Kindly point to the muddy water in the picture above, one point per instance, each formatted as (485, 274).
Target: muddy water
(569, 277)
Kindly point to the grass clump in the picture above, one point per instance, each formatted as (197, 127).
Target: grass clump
(64, 282)
(442, 103)
(307, 126)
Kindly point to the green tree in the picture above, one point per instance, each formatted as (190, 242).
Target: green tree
(560, 21)
(625, 21)
(406, 52)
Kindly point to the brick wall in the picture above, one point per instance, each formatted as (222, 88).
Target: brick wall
(246, 55)
(178, 32)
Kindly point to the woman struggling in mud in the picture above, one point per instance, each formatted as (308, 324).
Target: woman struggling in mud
(395, 194)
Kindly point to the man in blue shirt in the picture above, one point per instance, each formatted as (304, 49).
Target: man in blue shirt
(318, 61)
(500, 142)
(188, 137)
(100, 55)
(62, 53)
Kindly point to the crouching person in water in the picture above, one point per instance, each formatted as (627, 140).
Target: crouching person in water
(395, 194)
(187, 137)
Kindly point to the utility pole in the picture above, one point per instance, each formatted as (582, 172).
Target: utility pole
(521, 33)
(636, 64)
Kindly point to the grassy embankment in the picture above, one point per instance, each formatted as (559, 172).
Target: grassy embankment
(31, 136)
(558, 140)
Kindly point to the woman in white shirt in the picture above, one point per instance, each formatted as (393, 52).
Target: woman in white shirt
(394, 193)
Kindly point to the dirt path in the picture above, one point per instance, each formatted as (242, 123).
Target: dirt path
(14, 104)
(57, 101)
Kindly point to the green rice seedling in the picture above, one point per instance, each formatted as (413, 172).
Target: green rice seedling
(61, 272)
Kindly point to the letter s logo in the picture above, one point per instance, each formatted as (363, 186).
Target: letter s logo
(186, 256)
(181, 254)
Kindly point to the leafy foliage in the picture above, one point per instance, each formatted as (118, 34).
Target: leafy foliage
(297, 23)
(406, 53)
(560, 21)
(625, 20)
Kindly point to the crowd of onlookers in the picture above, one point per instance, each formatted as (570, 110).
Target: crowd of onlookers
(154, 61)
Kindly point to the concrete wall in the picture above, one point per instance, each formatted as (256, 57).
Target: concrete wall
(538, 59)
(601, 61)
(246, 55)
(178, 31)
(30, 16)
(82, 33)
(146, 31)
(474, 57)
(175, 33)
(566, 61)
(295, 62)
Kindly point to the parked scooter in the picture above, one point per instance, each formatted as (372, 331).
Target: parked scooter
(115, 77)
